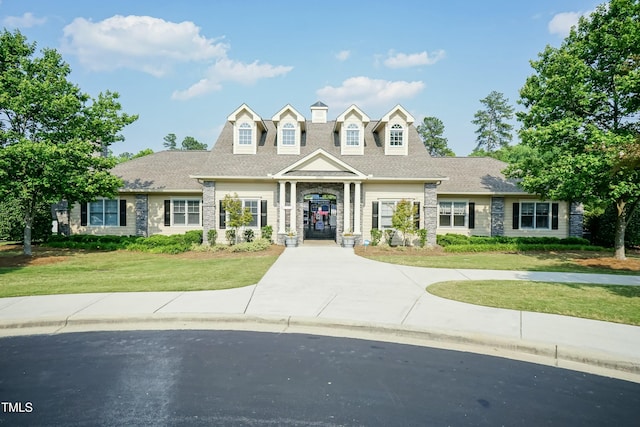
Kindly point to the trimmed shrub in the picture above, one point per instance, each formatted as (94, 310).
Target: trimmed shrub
(212, 235)
(255, 246)
(376, 236)
(248, 235)
(267, 232)
(422, 237)
(230, 234)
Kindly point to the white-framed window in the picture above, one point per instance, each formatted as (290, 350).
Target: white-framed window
(536, 215)
(245, 134)
(288, 134)
(387, 207)
(104, 212)
(254, 207)
(452, 214)
(185, 212)
(396, 135)
(353, 135)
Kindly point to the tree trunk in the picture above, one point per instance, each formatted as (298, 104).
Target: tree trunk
(28, 223)
(621, 226)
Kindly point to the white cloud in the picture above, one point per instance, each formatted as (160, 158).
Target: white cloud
(368, 93)
(155, 46)
(343, 55)
(142, 43)
(402, 60)
(226, 69)
(27, 20)
(561, 23)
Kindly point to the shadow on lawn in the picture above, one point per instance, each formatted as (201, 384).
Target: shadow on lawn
(12, 258)
(588, 262)
(625, 291)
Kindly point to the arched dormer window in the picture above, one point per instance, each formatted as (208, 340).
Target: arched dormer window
(245, 136)
(353, 135)
(288, 134)
(396, 136)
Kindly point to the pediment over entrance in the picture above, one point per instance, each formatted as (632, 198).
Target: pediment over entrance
(319, 163)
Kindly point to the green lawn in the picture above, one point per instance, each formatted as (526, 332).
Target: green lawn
(125, 271)
(556, 261)
(620, 304)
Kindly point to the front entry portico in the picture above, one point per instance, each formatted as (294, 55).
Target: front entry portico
(342, 216)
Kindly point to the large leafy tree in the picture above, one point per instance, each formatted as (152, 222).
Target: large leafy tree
(431, 131)
(582, 108)
(52, 136)
(494, 130)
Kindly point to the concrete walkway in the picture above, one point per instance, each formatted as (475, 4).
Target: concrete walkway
(331, 290)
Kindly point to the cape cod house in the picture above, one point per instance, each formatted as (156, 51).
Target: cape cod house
(321, 177)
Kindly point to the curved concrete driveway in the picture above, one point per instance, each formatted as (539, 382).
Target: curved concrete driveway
(334, 283)
(332, 287)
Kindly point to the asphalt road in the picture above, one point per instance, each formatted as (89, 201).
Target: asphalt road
(226, 378)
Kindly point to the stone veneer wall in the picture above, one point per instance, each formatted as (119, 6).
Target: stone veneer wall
(142, 215)
(208, 210)
(497, 216)
(576, 219)
(60, 212)
(431, 213)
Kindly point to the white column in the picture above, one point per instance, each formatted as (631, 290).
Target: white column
(347, 207)
(281, 224)
(293, 206)
(356, 209)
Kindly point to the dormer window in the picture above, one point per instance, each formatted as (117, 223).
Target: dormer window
(290, 127)
(350, 127)
(245, 134)
(353, 135)
(392, 131)
(396, 136)
(288, 134)
(248, 128)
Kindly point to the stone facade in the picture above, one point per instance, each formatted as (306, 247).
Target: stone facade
(208, 210)
(431, 213)
(60, 213)
(497, 216)
(576, 218)
(142, 215)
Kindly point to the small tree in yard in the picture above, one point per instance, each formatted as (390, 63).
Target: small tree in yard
(238, 217)
(403, 219)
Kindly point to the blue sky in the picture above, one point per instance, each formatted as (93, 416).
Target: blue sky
(185, 66)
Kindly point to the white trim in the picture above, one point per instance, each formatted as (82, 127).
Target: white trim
(186, 213)
(535, 216)
(103, 225)
(452, 215)
(318, 153)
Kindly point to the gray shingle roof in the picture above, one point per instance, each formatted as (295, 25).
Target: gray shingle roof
(163, 171)
(172, 170)
(222, 162)
(474, 175)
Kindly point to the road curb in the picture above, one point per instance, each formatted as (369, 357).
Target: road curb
(551, 354)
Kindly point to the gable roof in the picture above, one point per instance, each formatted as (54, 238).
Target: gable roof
(474, 175)
(221, 162)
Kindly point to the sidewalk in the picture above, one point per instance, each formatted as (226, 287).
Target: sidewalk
(332, 289)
